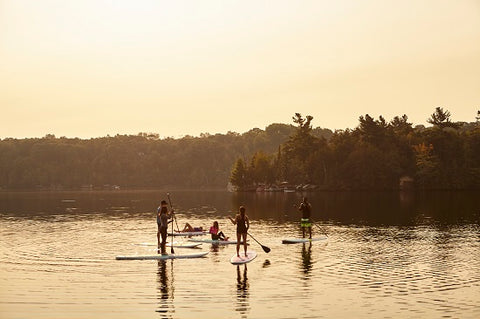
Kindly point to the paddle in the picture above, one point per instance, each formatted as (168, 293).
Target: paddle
(171, 207)
(265, 248)
(171, 247)
(321, 228)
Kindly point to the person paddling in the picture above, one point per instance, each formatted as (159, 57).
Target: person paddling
(305, 222)
(243, 224)
(162, 223)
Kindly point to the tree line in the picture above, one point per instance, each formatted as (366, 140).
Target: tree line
(374, 155)
(130, 161)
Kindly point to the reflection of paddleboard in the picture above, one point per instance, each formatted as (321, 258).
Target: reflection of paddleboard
(175, 245)
(161, 257)
(243, 259)
(302, 240)
(214, 242)
(188, 233)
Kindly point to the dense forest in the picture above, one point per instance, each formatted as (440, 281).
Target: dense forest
(374, 155)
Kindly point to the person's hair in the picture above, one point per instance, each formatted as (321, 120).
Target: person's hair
(164, 210)
(163, 202)
(242, 210)
(215, 224)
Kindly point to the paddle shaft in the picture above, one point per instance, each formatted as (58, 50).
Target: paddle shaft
(171, 247)
(171, 207)
(321, 228)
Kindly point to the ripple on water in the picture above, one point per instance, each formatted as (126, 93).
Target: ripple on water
(391, 271)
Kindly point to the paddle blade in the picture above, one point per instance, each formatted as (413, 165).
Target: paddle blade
(266, 249)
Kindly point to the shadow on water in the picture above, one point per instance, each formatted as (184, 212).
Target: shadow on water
(243, 305)
(165, 290)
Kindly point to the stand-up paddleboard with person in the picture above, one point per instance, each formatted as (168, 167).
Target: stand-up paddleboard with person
(306, 209)
(243, 258)
(162, 224)
(243, 224)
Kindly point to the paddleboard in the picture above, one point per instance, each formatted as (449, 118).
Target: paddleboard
(242, 259)
(302, 240)
(190, 233)
(162, 257)
(175, 245)
(214, 242)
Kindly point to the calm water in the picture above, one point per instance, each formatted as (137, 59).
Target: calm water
(389, 255)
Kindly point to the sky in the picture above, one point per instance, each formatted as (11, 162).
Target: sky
(94, 68)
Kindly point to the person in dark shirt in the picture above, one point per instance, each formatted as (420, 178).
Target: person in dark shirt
(306, 209)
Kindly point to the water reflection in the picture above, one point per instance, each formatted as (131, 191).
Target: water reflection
(165, 290)
(243, 305)
(307, 259)
(359, 208)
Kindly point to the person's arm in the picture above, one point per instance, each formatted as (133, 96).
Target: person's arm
(234, 221)
(248, 222)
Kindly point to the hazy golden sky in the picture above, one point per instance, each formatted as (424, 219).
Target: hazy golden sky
(89, 68)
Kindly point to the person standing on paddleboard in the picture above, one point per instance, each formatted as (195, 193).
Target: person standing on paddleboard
(243, 224)
(305, 222)
(162, 223)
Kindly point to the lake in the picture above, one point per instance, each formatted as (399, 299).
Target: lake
(388, 255)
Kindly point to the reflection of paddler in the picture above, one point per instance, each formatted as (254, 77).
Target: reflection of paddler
(307, 257)
(242, 291)
(165, 290)
(163, 279)
(305, 222)
(242, 283)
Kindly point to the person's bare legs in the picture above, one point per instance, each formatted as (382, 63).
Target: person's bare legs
(239, 239)
(245, 243)
(187, 228)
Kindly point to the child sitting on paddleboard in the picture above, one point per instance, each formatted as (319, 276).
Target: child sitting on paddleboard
(216, 233)
(243, 223)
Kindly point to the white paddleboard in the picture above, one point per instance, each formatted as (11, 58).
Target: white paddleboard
(243, 259)
(162, 257)
(302, 240)
(189, 233)
(175, 245)
(214, 242)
